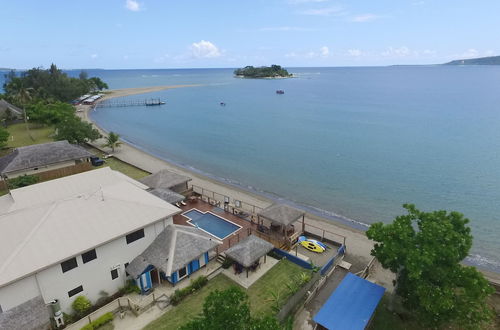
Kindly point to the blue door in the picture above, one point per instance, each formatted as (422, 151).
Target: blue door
(195, 265)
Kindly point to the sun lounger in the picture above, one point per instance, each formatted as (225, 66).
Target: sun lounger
(183, 203)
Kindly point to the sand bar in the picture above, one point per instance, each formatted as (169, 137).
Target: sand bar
(358, 246)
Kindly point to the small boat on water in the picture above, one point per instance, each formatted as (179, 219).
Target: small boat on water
(280, 91)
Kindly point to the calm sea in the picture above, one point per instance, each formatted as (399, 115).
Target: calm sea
(354, 142)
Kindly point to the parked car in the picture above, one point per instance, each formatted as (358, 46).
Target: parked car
(96, 161)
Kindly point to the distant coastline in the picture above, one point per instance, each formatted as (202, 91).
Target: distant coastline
(490, 60)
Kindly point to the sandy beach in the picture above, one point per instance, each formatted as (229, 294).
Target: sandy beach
(358, 246)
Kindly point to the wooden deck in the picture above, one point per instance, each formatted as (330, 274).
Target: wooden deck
(248, 227)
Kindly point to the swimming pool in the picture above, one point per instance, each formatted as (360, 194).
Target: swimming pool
(211, 223)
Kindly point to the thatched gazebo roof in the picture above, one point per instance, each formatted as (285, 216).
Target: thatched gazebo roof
(172, 249)
(249, 250)
(281, 214)
(164, 179)
(167, 195)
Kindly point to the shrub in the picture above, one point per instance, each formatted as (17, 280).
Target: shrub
(199, 283)
(81, 305)
(227, 263)
(180, 294)
(130, 287)
(22, 181)
(100, 321)
(68, 318)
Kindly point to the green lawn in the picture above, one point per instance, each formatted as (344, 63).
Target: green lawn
(259, 295)
(19, 135)
(190, 306)
(274, 281)
(118, 165)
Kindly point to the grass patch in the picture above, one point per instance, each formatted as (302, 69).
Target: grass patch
(19, 136)
(274, 281)
(118, 165)
(190, 307)
(259, 296)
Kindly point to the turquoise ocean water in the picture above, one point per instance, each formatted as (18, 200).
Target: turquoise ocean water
(349, 142)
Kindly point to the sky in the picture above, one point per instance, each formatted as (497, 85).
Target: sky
(142, 34)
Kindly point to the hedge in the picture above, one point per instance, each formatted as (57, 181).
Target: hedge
(100, 321)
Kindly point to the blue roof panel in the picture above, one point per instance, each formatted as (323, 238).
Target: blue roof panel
(351, 305)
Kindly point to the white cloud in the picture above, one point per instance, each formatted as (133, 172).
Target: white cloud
(489, 53)
(397, 52)
(94, 56)
(470, 53)
(328, 11)
(204, 49)
(354, 52)
(132, 5)
(428, 52)
(324, 51)
(364, 18)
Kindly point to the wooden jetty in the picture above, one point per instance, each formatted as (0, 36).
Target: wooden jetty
(129, 103)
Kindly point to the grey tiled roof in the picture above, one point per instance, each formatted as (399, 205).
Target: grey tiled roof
(164, 179)
(30, 315)
(172, 249)
(4, 105)
(249, 250)
(40, 155)
(281, 213)
(167, 195)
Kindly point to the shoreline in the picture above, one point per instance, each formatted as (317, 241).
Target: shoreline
(359, 246)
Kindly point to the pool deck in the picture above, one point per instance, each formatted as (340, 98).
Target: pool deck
(229, 241)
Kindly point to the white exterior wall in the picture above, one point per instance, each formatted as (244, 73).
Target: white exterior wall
(18, 292)
(46, 168)
(94, 276)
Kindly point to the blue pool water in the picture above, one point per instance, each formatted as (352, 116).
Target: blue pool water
(211, 223)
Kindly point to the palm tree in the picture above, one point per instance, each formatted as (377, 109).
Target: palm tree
(113, 141)
(23, 96)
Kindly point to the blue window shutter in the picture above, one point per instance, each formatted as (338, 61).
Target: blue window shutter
(174, 277)
(206, 257)
(196, 265)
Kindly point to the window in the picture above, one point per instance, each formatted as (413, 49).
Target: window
(114, 274)
(89, 256)
(182, 272)
(69, 265)
(76, 290)
(135, 236)
(126, 264)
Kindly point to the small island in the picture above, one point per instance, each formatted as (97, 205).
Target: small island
(273, 71)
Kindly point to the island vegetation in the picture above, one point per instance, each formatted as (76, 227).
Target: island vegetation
(490, 60)
(273, 71)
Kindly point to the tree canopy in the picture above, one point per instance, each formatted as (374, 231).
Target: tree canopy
(50, 84)
(49, 113)
(272, 71)
(229, 309)
(425, 249)
(76, 131)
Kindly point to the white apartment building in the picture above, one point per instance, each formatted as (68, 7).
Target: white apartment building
(72, 236)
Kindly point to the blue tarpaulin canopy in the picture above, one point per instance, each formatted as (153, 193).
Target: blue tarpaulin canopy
(351, 305)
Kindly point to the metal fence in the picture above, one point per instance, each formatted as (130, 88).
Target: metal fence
(296, 260)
